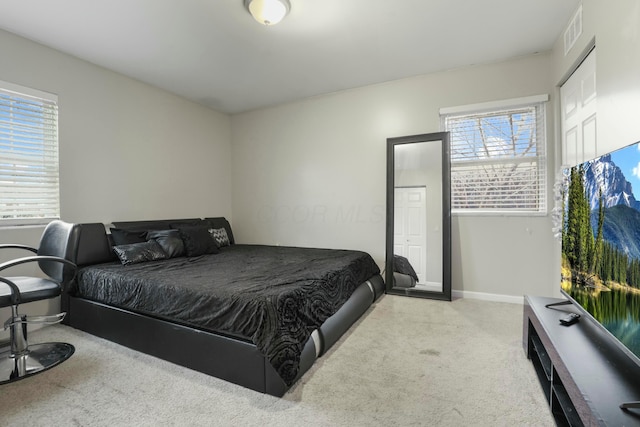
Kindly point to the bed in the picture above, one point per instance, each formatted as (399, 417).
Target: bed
(255, 315)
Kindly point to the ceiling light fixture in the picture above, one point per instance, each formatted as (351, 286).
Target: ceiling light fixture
(268, 12)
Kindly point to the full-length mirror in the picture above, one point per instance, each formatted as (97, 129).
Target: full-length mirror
(418, 259)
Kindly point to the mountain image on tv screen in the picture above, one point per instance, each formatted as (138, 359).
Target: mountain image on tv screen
(601, 242)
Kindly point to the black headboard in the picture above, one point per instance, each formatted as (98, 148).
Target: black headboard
(161, 224)
(94, 245)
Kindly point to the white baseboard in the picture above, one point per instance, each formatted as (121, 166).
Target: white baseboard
(488, 297)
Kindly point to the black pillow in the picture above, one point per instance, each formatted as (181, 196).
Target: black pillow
(169, 240)
(139, 252)
(198, 241)
(126, 237)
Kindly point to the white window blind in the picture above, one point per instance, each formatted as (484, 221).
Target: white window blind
(29, 174)
(498, 159)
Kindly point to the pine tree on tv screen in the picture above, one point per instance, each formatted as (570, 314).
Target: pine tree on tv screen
(601, 242)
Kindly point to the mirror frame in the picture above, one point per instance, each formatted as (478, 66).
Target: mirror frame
(442, 137)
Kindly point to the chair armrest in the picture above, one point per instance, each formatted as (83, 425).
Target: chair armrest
(16, 298)
(15, 291)
(17, 246)
(27, 259)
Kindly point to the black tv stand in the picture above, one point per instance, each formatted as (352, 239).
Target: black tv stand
(584, 376)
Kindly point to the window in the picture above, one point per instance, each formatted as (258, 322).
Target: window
(498, 160)
(29, 176)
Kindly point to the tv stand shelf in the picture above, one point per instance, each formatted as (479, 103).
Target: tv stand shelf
(585, 377)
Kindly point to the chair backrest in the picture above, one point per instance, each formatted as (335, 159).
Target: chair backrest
(59, 239)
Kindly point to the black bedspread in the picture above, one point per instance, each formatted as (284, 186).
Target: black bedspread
(273, 296)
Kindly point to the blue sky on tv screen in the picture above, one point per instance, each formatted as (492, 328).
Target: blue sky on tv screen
(628, 160)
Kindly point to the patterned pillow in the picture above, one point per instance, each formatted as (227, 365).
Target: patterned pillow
(139, 252)
(220, 236)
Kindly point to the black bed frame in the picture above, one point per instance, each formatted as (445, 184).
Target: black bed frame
(221, 356)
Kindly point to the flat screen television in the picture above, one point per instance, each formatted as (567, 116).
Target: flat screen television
(600, 270)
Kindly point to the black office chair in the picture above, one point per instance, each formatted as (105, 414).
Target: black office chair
(57, 248)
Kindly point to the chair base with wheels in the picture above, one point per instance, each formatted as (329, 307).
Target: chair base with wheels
(57, 247)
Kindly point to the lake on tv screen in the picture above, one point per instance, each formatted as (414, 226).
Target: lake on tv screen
(601, 242)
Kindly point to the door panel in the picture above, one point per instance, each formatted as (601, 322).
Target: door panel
(579, 102)
(410, 239)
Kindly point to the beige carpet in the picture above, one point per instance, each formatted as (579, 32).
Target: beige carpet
(406, 362)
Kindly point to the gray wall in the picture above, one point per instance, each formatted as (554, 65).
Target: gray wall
(312, 172)
(326, 183)
(127, 150)
(297, 169)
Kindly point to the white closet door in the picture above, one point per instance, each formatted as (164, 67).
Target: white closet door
(410, 228)
(578, 107)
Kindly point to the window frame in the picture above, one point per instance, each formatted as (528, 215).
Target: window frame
(481, 109)
(48, 143)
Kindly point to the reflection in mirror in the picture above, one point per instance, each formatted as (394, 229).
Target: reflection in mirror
(418, 228)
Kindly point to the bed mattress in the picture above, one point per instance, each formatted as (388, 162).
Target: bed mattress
(272, 296)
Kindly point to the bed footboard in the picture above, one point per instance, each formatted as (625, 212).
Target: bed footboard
(361, 299)
(223, 357)
(227, 358)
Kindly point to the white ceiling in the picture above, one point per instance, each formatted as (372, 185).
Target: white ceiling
(213, 52)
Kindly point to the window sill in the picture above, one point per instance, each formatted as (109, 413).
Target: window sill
(500, 213)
